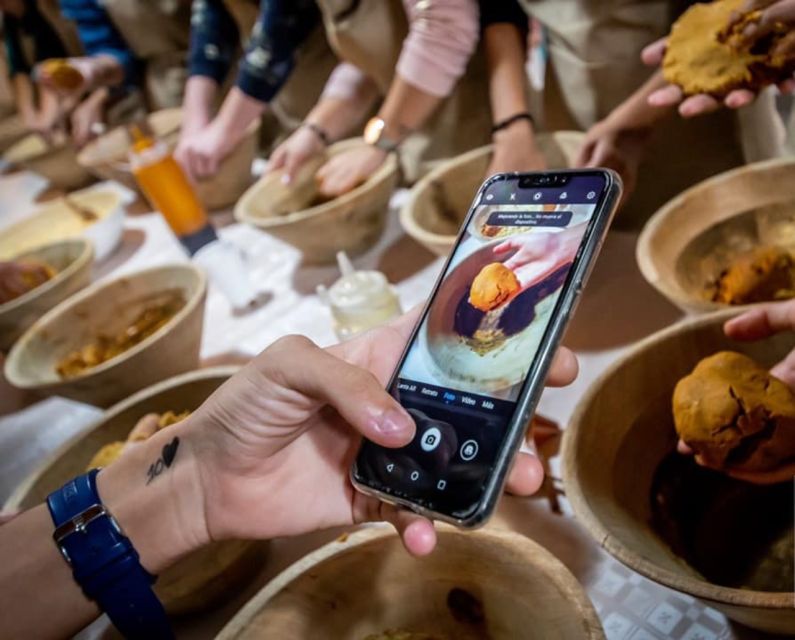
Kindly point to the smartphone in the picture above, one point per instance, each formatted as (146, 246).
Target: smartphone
(474, 368)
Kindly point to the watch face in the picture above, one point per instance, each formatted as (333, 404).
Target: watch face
(373, 130)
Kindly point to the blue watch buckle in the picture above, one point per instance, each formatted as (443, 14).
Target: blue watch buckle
(79, 524)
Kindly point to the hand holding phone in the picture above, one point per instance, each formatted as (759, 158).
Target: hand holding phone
(475, 365)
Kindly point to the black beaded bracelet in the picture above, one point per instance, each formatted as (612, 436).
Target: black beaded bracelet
(319, 131)
(504, 124)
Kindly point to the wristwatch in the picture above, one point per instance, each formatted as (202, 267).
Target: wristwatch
(104, 562)
(374, 135)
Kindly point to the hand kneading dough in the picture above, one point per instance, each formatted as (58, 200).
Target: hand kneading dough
(733, 413)
(492, 286)
(704, 54)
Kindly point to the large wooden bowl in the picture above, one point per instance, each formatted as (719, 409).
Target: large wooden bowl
(72, 260)
(200, 579)
(690, 240)
(439, 202)
(618, 436)
(58, 163)
(57, 221)
(106, 158)
(367, 584)
(350, 223)
(108, 308)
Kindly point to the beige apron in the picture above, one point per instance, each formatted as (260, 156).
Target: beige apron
(158, 32)
(244, 13)
(370, 34)
(594, 65)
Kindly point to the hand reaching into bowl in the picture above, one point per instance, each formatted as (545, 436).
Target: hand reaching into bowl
(773, 12)
(515, 150)
(536, 255)
(346, 171)
(200, 154)
(757, 324)
(302, 145)
(615, 143)
(202, 149)
(762, 322)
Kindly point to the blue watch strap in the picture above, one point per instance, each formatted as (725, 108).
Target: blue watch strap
(103, 560)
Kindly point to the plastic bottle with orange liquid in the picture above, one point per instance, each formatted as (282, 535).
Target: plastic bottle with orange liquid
(170, 192)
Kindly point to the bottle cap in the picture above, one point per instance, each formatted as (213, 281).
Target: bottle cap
(224, 265)
(355, 288)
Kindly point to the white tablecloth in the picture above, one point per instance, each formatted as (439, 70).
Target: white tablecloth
(617, 309)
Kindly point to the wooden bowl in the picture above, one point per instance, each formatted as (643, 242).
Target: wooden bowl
(106, 158)
(621, 432)
(12, 129)
(692, 238)
(58, 163)
(350, 223)
(199, 580)
(108, 308)
(72, 259)
(57, 221)
(439, 202)
(367, 583)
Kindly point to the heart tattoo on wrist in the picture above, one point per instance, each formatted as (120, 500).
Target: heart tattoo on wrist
(166, 459)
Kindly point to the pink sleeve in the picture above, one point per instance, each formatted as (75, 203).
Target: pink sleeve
(347, 81)
(442, 37)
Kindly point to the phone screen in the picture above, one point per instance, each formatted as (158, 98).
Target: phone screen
(468, 362)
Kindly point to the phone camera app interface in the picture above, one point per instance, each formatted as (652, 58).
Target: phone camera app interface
(466, 368)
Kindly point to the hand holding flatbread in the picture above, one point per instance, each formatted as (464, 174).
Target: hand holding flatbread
(722, 53)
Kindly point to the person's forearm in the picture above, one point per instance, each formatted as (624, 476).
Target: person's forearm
(338, 117)
(237, 112)
(505, 54)
(36, 583)
(162, 516)
(349, 96)
(159, 506)
(406, 109)
(23, 96)
(214, 38)
(635, 112)
(199, 101)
